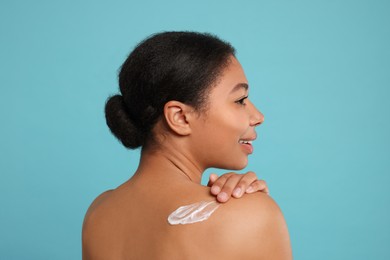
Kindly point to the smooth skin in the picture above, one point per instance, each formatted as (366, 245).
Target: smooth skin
(130, 222)
(236, 185)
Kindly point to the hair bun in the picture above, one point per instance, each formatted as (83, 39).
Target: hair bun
(120, 123)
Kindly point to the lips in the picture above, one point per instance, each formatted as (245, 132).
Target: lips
(245, 141)
(246, 144)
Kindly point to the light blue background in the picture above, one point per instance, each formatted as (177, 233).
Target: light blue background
(318, 70)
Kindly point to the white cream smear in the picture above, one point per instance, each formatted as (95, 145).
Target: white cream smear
(193, 213)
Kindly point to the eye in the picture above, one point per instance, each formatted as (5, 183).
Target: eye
(241, 101)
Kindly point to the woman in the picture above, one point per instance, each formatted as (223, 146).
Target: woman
(184, 100)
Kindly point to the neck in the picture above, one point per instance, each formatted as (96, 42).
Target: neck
(170, 164)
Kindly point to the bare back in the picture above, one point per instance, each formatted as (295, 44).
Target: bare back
(130, 222)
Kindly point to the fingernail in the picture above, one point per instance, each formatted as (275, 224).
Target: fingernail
(215, 189)
(250, 189)
(237, 192)
(222, 196)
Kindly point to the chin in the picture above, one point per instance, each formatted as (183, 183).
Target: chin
(238, 168)
(234, 165)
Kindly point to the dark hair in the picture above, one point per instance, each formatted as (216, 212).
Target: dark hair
(179, 66)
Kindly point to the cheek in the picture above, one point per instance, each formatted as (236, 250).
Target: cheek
(217, 141)
(223, 126)
(234, 121)
(226, 128)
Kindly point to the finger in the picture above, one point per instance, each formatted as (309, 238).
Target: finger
(259, 185)
(229, 186)
(219, 183)
(244, 183)
(213, 177)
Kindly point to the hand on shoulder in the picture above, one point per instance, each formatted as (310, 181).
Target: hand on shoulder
(235, 185)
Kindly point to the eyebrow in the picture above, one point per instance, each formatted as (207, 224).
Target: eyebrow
(239, 86)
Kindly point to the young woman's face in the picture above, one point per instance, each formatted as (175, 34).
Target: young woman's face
(223, 133)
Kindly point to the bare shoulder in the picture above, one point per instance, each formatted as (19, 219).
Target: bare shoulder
(95, 204)
(94, 208)
(93, 226)
(254, 226)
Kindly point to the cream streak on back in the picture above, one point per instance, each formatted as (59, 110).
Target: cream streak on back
(193, 213)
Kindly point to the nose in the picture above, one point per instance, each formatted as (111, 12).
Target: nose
(256, 117)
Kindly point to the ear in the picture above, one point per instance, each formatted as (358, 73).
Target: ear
(176, 115)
